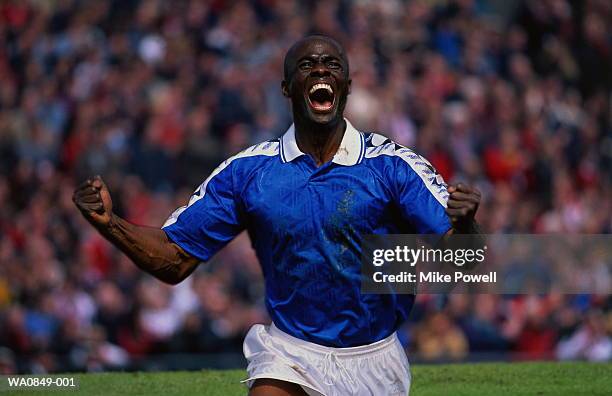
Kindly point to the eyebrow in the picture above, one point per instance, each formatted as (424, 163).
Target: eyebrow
(322, 57)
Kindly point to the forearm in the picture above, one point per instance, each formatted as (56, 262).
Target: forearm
(475, 241)
(472, 228)
(150, 249)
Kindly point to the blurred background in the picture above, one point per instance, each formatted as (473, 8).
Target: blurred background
(512, 96)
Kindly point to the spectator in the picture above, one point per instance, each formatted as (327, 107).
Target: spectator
(590, 342)
(154, 94)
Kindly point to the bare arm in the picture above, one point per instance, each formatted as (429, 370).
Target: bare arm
(148, 247)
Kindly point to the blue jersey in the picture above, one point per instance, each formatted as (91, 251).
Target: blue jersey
(306, 224)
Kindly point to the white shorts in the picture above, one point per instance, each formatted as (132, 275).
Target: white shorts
(377, 369)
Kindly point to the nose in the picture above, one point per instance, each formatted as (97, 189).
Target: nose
(319, 70)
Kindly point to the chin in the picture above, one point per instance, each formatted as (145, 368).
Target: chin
(324, 118)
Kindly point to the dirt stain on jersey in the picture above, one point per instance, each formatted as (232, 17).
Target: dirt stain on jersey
(341, 228)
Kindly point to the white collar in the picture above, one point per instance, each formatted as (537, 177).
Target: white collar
(349, 153)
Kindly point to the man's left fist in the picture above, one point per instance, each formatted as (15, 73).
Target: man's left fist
(462, 205)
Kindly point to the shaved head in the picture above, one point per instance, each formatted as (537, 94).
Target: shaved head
(290, 56)
(317, 80)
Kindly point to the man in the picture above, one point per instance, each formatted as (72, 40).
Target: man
(306, 199)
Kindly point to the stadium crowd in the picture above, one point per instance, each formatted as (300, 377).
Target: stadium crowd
(152, 95)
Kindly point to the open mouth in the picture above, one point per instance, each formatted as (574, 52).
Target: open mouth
(321, 97)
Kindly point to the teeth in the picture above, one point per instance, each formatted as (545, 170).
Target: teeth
(321, 86)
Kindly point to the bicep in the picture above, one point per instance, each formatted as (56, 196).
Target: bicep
(209, 221)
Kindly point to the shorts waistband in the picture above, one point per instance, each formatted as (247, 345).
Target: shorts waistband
(349, 351)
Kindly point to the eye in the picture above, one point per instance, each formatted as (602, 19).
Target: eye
(334, 65)
(305, 65)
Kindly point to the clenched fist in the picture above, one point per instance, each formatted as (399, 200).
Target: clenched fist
(462, 205)
(93, 200)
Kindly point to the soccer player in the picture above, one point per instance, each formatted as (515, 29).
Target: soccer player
(306, 199)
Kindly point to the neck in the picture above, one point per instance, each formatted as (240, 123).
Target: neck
(320, 141)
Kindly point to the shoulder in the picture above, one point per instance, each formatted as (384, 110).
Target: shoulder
(246, 161)
(251, 157)
(257, 152)
(382, 152)
(381, 147)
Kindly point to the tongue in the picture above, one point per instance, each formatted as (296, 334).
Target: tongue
(321, 105)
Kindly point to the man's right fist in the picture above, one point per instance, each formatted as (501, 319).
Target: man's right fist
(93, 200)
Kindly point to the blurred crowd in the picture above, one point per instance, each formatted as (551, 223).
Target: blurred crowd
(513, 97)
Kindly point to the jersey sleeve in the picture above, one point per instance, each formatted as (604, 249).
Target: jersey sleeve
(421, 194)
(211, 218)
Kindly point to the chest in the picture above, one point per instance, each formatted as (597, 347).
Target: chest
(333, 200)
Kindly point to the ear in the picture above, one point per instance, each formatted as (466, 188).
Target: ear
(349, 85)
(285, 88)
